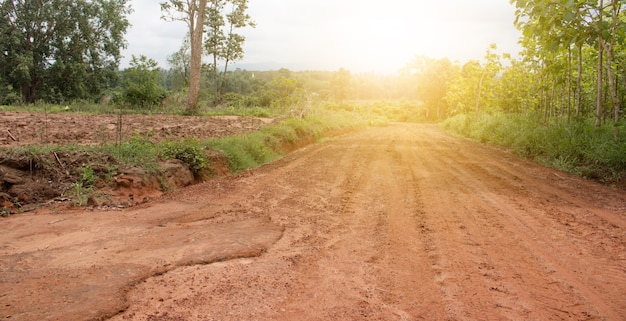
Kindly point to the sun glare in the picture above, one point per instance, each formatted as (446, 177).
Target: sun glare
(386, 45)
(386, 39)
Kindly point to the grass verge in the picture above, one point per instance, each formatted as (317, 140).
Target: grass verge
(77, 171)
(577, 147)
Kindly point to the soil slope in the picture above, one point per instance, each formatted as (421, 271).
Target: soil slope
(395, 223)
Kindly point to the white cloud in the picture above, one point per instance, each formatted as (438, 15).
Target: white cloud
(149, 35)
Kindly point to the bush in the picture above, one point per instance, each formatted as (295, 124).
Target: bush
(190, 152)
(577, 147)
(137, 151)
(141, 83)
(239, 159)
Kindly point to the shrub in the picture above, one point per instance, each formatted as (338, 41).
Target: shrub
(577, 147)
(141, 83)
(189, 151)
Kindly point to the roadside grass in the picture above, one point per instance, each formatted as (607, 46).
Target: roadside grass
(577, 147)
(242, 152)
(74, 168)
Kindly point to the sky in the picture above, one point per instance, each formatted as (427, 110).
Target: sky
(358, 35)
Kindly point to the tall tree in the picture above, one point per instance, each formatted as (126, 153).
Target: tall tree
(237, 18)
(48, 55)
(433, 78)
(600, 58)
(612, 31)
(340, 84)
(192, 12)
(223, 43)
(141, 83)
(214, 42)
(179, 61)
(594, 27)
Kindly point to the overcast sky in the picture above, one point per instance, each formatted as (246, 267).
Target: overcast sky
(362, 36)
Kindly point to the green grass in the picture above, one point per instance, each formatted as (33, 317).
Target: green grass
(577, 147)
(242, 152)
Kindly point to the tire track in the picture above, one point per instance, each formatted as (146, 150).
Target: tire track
(490, 214)
(405, 223)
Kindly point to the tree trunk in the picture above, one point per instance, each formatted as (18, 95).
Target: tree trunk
(226, 62)
(196, 31)
(28, 94)
(615, 9)
(569, 83)
(579, 90)
(223, 82)
(216, 85)
(480, 85)
(599, 80)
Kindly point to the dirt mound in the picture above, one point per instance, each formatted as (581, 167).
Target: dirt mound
(58, 179)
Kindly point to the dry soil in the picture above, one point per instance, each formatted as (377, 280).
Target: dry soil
(393, 223)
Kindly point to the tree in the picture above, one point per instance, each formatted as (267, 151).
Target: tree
(223, 44)
(141, 83)
(600, 57)
(433, 78)
(340, 84)
(549, 27)
(192, 12)
(48, 55)
(214, 42)
(486, 75)
(613, 31)
(180, 61)
(514, 87)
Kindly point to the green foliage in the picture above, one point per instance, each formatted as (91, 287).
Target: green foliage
(8, 95)
(282, 132)
(189, 151)
(80, 193)
(340, 84)
(88, 176)
(432, 79)
(61, 50)
(137, 151)
(141, 83)
(254, 149)
(179, 63)
(83, 188)
(284, 92)
(577, 147)
(222, 43)
(244, 152)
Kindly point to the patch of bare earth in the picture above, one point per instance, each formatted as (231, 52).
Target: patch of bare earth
(394, 223)
(18, 128)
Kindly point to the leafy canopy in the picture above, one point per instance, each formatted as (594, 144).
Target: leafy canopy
(59, 50)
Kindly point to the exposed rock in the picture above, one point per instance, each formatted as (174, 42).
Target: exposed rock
(175, 174)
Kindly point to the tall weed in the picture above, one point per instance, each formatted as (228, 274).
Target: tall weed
(577, 147)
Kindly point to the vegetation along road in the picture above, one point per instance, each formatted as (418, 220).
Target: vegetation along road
(393, 223)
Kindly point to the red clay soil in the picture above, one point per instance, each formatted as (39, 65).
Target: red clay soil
(26, 183)
(394, 223)
(18, 129)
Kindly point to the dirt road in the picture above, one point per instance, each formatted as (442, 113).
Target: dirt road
(394, 223)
